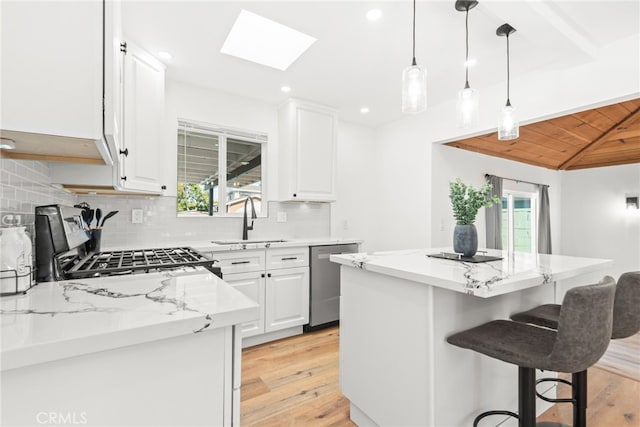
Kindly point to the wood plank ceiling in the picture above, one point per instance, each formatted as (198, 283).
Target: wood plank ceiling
(603, 136)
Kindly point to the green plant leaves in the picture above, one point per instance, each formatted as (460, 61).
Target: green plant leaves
(466, 200)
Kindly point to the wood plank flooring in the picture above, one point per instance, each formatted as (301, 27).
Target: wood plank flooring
(294, 382)
(623, 357)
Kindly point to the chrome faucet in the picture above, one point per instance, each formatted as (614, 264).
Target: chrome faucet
(245, 226)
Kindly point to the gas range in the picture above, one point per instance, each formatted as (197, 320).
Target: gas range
(61, 253)
(122, 262)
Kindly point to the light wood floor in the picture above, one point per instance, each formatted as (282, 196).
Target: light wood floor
(294, 382)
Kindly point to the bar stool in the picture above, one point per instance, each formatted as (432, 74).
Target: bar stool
(582, 337)
(626, 322)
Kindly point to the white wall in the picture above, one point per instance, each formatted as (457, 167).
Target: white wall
(351, 215)
(595, 221)
(450, 163)
(401, 204)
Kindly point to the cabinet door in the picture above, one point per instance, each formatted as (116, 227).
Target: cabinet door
(315, 154)
(143, 122)
(287, 298)
(252, 285)
(51, 75)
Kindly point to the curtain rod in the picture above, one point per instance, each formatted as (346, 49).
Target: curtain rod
(487, 175)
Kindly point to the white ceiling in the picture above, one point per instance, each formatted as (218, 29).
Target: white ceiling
(358, 63)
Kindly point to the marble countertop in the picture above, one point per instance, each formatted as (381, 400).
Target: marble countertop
(253, 243)
(516, 271)
(56, 320)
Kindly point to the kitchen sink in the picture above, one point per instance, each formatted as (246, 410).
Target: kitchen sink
(237, 242)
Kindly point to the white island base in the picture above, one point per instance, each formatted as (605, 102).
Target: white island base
(397, 368)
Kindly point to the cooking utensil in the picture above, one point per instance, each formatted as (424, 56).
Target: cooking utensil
(107, 216)
(90, 217)
(98, 216)
(85, 216)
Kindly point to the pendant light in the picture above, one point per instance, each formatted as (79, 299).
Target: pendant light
(467, 106)
(414, 81)
(508, 127)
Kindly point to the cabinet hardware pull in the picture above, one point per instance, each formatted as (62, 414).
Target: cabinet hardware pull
(123, 47)
(295, 195)
(262, 275)
(289, 258)
(240, 262)
(268, 274)
(124, 178)
(125, 152)
(164, 187)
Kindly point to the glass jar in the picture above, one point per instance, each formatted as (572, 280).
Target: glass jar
(16, 260)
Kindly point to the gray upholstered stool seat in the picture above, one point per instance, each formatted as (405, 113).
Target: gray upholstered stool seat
(511, 342)
(626, 322)
(626, 311)
(543, 315)
(582, 337)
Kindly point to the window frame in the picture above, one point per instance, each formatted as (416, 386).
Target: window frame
(222, 133)
(534, 196)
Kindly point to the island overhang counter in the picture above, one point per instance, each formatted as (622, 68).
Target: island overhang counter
(148, 349)
(398, 307)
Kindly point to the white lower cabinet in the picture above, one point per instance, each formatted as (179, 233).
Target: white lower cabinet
(278, 280)
(287, 298)
(252, 285)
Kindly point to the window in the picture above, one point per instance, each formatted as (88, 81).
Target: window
(519, 221)
(205, 154)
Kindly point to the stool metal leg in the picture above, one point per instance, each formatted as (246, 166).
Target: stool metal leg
(579, 391)
(527, 396)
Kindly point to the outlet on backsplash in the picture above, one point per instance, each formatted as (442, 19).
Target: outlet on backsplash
(11, 219)
(136, 216)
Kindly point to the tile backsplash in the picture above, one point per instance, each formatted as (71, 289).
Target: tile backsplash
(27, 184)
(161, 226)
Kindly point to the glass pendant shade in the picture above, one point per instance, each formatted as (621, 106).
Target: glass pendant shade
(414, 89)
(508, 127)
(467, 108)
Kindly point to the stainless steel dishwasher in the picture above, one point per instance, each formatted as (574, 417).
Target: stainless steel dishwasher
(324, 295)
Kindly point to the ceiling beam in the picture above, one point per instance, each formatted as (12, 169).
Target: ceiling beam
(565, 27)
(600, 140)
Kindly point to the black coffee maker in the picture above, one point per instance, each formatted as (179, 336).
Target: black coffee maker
(59, 230)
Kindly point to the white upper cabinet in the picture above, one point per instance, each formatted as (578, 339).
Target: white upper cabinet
(52, 79)
(307, 147)
(143, 122)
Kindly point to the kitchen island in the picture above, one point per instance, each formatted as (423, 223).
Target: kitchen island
(147, 349)
(396, 310)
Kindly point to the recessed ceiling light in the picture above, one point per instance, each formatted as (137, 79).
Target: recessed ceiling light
(364, 110)
(164, 55)
(285, 89)
(261, 40)
(470, 62)
(374, 14)
(7, 143)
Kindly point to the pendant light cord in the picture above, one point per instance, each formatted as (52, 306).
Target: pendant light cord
(466, 63)
(508, 77)
(414, 34)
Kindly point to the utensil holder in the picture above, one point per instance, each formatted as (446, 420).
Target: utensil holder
(93, 244)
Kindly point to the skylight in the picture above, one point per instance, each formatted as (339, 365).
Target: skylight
(261, 40)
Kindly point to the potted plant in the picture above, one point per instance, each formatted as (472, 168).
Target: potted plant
(466, 201)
